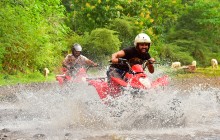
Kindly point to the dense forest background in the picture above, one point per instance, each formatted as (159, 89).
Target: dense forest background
(38, 33)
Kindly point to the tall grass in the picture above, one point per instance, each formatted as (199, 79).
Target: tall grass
(203, 72)
(21, 78)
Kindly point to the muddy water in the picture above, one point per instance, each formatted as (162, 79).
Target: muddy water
(75, 112)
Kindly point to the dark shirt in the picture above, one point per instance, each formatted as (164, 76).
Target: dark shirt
(133, 56)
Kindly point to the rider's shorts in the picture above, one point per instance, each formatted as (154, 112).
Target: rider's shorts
(115, 72)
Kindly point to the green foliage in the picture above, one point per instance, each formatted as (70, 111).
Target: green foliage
(29, 77)
(32, 34)
(126, 17)
(197, 29)
(88, 15)
(102, 43)
(164, 15)
(125, 31)
(84, 16)
(173, 53)
(2, 52)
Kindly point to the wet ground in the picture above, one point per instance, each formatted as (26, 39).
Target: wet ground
(22, 121)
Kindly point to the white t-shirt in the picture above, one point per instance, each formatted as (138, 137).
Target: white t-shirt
(71, 60)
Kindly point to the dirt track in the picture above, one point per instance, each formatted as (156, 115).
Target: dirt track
(187, 83)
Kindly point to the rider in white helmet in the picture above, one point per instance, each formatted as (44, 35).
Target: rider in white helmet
(76, 59)
(134, 54)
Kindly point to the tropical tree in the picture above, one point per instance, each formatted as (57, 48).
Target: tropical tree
(196, 30)
(126, 30)
(88, 15)
(164, 15)
(101, 44)
(32, 34)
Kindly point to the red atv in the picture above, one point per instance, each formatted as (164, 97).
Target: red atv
(72, 74)
(134, 81)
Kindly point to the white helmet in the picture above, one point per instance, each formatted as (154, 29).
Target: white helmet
(142, 38)
(77, 47)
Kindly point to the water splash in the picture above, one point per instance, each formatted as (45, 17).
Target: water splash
(76, 112)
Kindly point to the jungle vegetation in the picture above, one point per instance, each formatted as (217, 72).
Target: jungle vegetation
(35, 34)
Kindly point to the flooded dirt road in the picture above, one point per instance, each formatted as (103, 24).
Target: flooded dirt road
(188, 109)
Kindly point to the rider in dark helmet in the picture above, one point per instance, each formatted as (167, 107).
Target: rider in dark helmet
(135, 54)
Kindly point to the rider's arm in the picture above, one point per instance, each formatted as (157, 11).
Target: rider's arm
(66, 62)
(117, 55)
(91, 63)
(150, 66)
(87, 61)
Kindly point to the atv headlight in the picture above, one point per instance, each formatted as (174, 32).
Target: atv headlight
(146, 82)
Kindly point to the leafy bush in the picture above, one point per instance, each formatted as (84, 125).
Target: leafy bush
(102, 43)
(32, 35)
(173, 53)
(125, 31)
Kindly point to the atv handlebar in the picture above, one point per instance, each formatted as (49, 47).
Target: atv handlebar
(122, 61)
(73, 68)
(145, 63)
